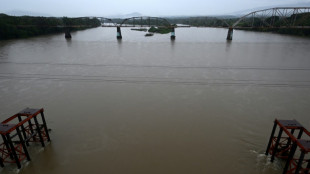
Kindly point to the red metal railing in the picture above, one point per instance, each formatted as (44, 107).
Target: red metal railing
(17, 131)
(285, 147)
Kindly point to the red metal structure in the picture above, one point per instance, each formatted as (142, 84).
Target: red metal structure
(285, 147)
(17, 131)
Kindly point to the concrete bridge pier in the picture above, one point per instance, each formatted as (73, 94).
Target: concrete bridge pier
(172, 37)
(230, 33)
(118, 32)
(68, 34)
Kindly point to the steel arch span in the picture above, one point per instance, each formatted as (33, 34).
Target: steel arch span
(272, 17)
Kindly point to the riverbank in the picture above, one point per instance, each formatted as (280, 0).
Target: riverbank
(13, 27)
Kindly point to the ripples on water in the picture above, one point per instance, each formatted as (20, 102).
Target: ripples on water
(198, 104)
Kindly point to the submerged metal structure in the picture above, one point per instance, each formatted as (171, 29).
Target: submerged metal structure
(18, 131)
(286, 145)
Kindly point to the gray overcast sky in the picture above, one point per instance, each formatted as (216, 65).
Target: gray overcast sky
(146, 7)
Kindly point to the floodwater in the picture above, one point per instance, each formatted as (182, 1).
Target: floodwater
(149, 105)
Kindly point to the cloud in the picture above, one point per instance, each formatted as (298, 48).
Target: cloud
(149, 7)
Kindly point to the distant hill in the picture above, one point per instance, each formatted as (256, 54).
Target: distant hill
(25, 13)
(134, 14)
(197, 16)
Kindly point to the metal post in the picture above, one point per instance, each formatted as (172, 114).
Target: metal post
(289, 139)
(23, 130)
(295, 15)
(68, 34)
(31, 130)
(7, 145)
(274, 17)
(276, 145)
(118, 32)
(300, 133)
(230, 33)
(23, 144)
(253, 17)
(45, 127)
(290, 157)
(1, 162)
(299, 165)
(39, 131)
(271, 137)
(308, 167)
(13, 151)
(172, 37)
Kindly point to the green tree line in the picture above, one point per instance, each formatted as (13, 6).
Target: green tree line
(27, 26)
(202, 21)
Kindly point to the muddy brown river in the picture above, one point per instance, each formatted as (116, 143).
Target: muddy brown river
(149, 105)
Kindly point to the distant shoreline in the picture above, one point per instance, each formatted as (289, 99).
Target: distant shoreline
(12, 27)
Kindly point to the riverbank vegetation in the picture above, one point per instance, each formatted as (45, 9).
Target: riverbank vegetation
(201, 21)
(12, 27)
(139, 29)
(282, 26)
(161, 30)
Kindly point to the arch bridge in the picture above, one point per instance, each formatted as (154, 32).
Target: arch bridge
(272, 18)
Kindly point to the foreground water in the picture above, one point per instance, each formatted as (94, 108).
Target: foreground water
(198, 104)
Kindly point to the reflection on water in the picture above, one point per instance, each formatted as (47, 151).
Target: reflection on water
(69, 42)
(199, 104)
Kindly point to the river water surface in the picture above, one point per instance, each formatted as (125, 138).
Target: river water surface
(149, 105)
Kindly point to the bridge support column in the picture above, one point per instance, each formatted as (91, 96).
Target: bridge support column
(230, 33)
(172, 37)
(68, 34)
(118, 32)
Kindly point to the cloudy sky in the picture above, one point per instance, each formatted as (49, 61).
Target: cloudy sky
(145, 7)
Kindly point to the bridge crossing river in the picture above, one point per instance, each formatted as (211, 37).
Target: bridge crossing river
(262, 20)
